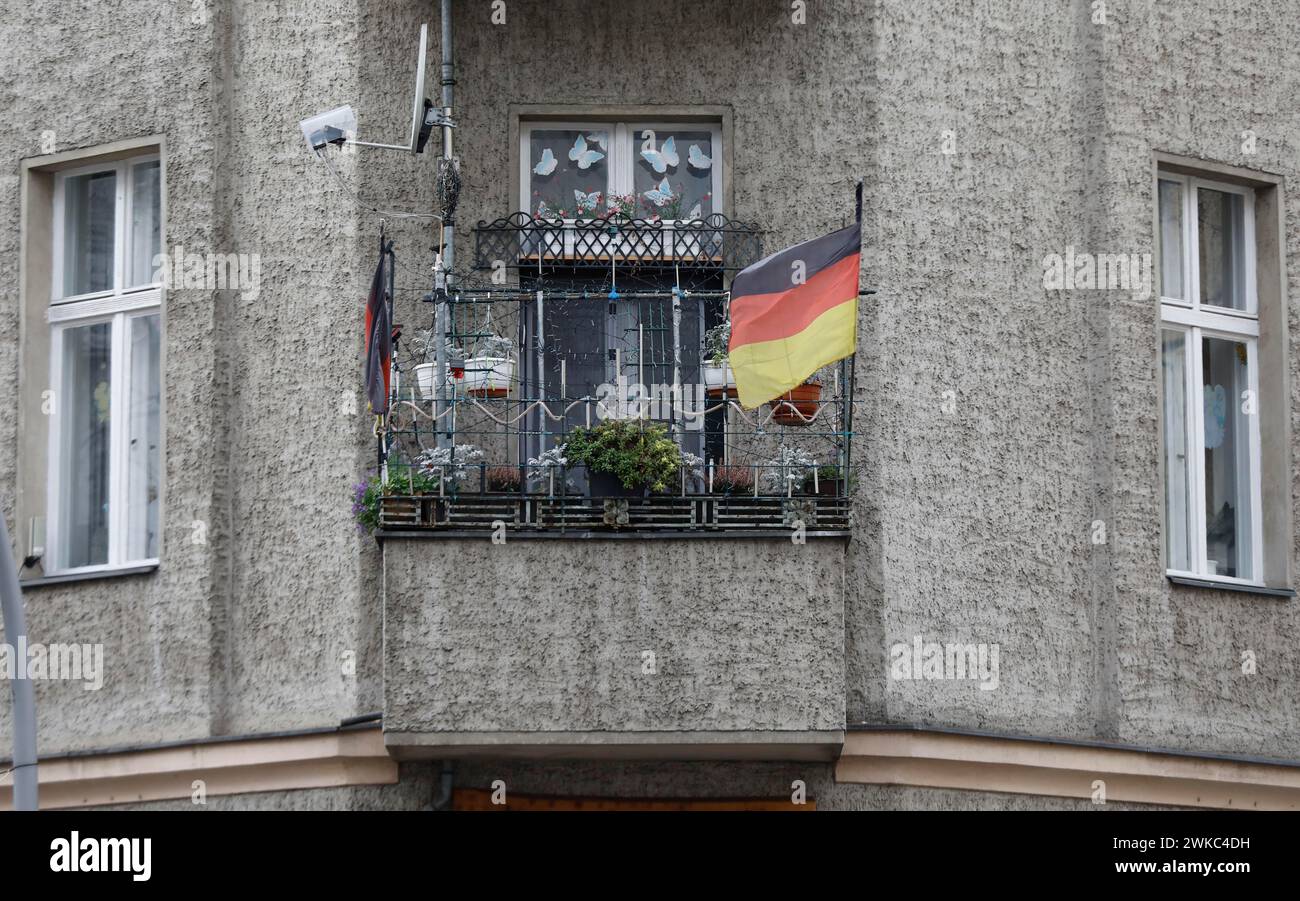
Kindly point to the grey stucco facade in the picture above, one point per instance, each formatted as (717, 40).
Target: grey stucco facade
(997, 422)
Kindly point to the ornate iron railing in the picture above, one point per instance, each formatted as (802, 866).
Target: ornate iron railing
(523, 240)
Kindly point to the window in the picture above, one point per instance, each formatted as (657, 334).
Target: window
(575, 169)
(1210, 373)
(105, 429)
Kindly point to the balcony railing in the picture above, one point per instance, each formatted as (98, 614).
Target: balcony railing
(616, 317)
(523, 240)
(468, 505)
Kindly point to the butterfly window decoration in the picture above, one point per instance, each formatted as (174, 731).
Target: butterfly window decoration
(582, 155)
(660, 195)
(674, 177)
(547, 164)
(568, 172)
(664, 158)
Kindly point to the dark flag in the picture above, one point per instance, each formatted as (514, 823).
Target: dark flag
(379, 343)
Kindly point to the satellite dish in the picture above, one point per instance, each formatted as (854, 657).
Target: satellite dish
(333, 127)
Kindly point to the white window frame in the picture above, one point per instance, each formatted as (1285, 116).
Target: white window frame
(117, 306)
(124, 184)
(1197, 321)
(1191, 257)
(622, 157)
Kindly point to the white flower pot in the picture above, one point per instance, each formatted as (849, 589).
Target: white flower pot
(489, 376)
(719, 380)
(424, 376)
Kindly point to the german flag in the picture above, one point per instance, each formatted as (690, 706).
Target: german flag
(793, 313)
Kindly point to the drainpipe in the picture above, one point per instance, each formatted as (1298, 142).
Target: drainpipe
(448, 229)
(447, 79)
(15, 623)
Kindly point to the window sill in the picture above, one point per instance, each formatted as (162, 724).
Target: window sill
(87, 577)
(1239, 587)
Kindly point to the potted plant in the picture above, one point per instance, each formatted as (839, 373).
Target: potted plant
(828, 482)
(542, 472)
(733, 480)
(719, 381)
(492, 368)
(449, 464)
(692, 474)
(503, 479)
(798, 405)
(788, 471)
(545, 235)
(424, 348)
(625, 458)
(608, 236)
(367, 496)
(620, 206)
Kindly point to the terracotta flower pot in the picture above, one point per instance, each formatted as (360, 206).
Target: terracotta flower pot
(719, 382)
(804, 398)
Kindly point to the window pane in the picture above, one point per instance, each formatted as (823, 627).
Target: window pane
(1178, 553)
(143, 440)
(1220, 219)
(146, 224)
(569, 173)
(1227, 458)
(1171, 240)
(85, 394)
(88, 239)
(684, 159)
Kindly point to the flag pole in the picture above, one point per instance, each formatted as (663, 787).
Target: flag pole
(849, 381)
(379, 431)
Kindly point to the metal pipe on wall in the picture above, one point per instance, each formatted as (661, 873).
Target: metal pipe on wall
(448, 232)
(15, 623)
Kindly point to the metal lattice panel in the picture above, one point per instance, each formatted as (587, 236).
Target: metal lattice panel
(524, 240)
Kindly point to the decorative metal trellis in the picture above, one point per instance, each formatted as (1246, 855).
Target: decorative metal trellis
(595, 310)
(712, 244)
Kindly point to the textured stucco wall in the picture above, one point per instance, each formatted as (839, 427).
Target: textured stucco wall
(248, 630)
(541, 636)
(983, 515)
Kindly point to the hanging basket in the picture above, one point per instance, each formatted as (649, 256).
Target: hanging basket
(798, 405)
(424, 378)
(489, 376)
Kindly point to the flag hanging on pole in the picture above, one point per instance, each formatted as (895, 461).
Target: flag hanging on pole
(793, 313)
(379, 342)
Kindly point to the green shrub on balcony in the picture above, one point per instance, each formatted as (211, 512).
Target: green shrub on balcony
(637, 454)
